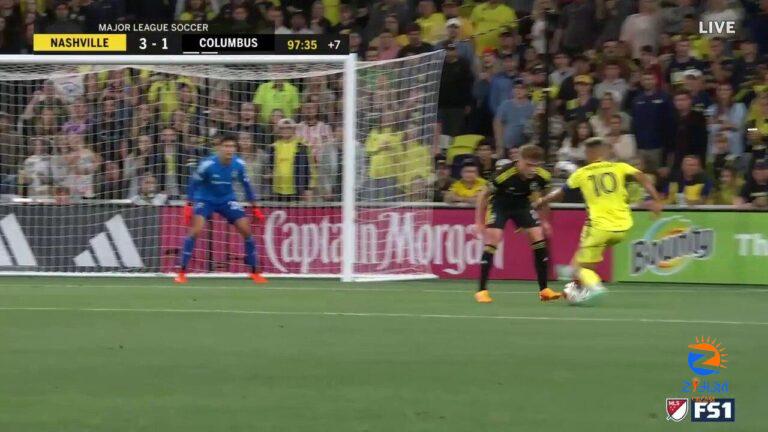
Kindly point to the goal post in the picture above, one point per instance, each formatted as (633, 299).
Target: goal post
(381, 113)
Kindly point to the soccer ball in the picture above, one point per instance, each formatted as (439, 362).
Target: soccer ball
(577, 295)
(573, 293)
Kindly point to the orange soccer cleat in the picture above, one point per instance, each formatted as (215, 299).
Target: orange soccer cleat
(181, 278)
(548, 295)
(258, 278)
(483, 297)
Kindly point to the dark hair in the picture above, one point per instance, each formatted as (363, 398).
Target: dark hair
(469, 163)
(412, 27)
(485, 142)
(575, 140)
(226, 137)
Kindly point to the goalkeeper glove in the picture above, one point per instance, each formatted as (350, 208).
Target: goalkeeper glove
(188, 212)
(257, 214)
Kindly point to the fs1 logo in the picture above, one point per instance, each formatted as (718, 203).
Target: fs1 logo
(717, 410)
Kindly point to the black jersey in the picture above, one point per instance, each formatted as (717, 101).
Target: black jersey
(508, 187)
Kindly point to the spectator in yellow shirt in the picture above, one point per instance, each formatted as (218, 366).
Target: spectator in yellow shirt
(468, 188)
(416, 161)
(289, 165)
(728, 187)
(488, 18)
(758, 112)
(386, 131)
(197, 11)
(383, 169)
(691, 186)
(431, 21)
(278, 94)
(35, 6)
(165, 92)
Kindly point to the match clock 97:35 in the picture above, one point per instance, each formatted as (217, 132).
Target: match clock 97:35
(298, 45)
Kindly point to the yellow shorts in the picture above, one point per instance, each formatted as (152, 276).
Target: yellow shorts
(593, 243)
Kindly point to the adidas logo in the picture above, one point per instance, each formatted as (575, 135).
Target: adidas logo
(17, 247)
(107, 246)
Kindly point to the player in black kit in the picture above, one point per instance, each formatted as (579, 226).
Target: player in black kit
(508, 197)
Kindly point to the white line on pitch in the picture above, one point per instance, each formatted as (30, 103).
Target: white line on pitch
(625, 291)
(374, 289)
(382, 314)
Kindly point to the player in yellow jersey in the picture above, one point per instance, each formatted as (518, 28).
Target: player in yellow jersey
(609, 217)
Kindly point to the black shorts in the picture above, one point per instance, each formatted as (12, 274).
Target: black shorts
(499, 213)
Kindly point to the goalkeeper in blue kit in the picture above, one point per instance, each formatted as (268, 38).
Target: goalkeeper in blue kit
(211, 191)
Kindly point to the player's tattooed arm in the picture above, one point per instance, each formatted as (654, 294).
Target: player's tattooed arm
(554, 195)
(655, 204)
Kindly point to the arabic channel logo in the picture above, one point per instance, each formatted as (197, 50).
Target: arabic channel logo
(706, 357)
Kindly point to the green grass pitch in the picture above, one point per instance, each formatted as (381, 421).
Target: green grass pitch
(141, 354)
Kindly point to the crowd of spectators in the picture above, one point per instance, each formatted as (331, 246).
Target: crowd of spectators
(690, 109)
(136, 134)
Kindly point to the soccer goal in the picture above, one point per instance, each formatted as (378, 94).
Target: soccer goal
(96, 152)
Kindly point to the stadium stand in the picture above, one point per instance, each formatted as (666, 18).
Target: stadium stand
(637, 73)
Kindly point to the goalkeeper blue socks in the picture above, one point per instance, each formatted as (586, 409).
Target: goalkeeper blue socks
(250, 254)
(186, 252)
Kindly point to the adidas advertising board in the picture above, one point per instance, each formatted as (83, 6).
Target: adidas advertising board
(78, 238)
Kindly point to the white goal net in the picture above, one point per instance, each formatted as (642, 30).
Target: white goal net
(96, 158)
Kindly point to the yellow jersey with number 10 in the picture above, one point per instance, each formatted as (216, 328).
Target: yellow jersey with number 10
(603, 185)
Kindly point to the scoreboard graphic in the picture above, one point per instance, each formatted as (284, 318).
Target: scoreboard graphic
(163, 43)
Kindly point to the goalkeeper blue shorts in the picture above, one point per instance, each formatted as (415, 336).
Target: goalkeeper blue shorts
(231, 210)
